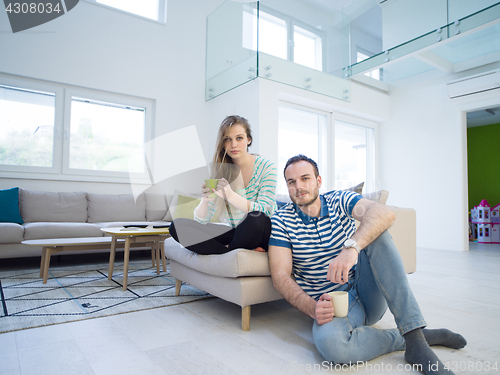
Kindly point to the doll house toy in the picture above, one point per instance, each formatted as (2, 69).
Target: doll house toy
(485, 223)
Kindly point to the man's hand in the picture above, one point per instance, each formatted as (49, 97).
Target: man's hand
(338, 270)
(324, 309)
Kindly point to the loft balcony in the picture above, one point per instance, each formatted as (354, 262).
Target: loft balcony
(301, 43)
(394, 40)
(312, 46)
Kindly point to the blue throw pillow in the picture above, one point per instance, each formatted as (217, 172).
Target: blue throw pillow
(9, 206)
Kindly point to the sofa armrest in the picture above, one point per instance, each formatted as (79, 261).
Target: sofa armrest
(404, 234)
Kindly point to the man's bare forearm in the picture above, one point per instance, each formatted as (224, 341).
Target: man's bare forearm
(294, 294)
(376, 220)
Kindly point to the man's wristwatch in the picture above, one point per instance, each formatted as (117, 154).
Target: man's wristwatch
(351, 243)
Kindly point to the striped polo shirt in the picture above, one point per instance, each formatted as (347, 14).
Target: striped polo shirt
(260, 191)
(315, 242)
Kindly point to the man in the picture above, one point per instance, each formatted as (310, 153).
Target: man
(315, 238)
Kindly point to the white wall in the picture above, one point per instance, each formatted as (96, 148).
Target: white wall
(419, 162)
(423, 159)
(99, 48)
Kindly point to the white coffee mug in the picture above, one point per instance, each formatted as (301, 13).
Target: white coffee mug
(340, 302)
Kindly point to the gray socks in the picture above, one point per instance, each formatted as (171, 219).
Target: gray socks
(444, 337)
(420, 354)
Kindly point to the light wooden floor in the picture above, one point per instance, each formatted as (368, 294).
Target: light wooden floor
(457, 290)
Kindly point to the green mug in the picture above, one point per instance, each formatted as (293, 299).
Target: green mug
(212, 184)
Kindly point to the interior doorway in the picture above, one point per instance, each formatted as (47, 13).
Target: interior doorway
(483, 165)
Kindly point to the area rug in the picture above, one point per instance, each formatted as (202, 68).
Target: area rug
(80, 292)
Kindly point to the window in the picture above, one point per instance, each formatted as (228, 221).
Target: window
(105, 136)
(27, 122)
(152, 9)
(70, 133)
(283, 37)
(307, 48)
(343, 147)
(301, 132)
(353, 155)
(273, 38)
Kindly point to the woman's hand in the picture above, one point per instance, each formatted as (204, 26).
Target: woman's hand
(206, 192)
(224, 190)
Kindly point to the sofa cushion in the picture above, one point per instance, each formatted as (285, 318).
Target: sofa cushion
(53, 207)
(104, 207)
(174, 203)
(378, 196)
(156, 206)
(358, 188)
(11, 233)
(41, 230)
(185, 207)
(9, 206)
(182, 205)
(235, 263)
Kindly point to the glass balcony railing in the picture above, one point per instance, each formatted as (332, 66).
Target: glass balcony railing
(294, 42)
(313, 47)
(396, 39)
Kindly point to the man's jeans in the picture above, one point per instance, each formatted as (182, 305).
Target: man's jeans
(380, 281)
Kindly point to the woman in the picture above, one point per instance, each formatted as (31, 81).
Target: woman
(245, 198)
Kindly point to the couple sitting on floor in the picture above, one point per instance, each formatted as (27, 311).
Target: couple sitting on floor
(314, 238)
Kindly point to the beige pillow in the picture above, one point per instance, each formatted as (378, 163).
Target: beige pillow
(378, 196)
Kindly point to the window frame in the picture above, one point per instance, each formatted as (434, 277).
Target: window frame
(328, 176)
(56, 149)
(371, 149)
(162, 11)
(60, 170)
(103, 97)
(323, 152)
(290, 23)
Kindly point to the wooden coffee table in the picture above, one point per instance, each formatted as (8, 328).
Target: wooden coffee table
(56, 245)
(153, 237)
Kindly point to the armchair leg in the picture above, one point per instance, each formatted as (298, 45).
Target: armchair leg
(245, 318)
(178, 284)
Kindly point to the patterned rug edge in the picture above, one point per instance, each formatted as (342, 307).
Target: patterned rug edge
(100, 316)
(84, 292)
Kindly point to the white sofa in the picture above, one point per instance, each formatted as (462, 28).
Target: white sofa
(75, 215)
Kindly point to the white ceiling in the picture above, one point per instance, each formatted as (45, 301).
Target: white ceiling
(335, 4)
